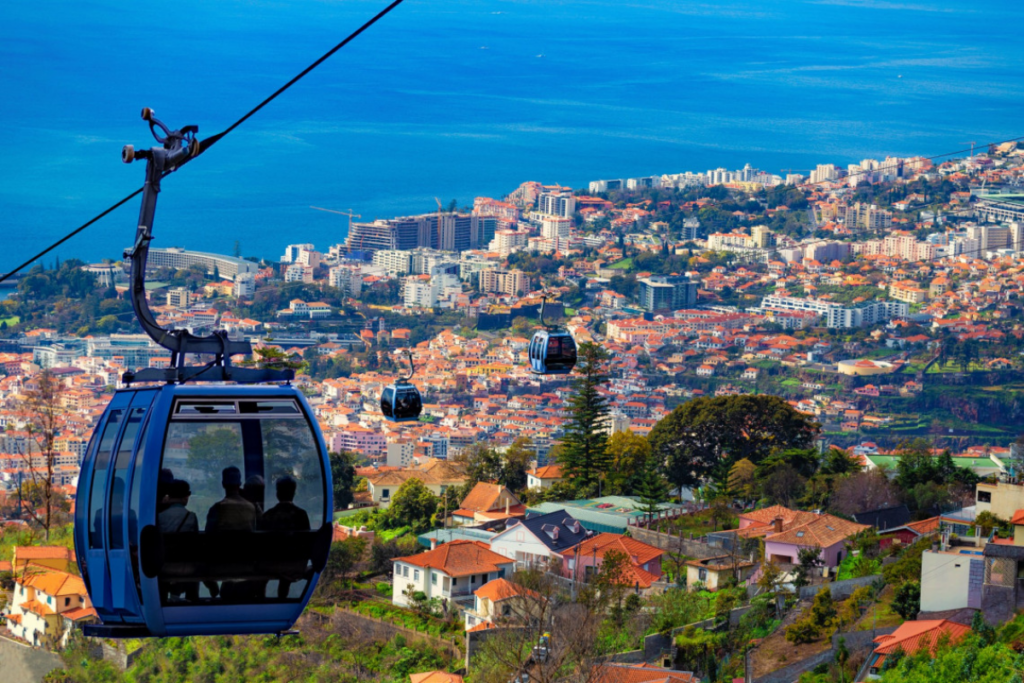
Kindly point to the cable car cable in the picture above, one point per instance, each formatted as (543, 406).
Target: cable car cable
(213, 139)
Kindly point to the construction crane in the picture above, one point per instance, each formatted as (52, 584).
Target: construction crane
(971, 143)
(438, 223)
(350, 217)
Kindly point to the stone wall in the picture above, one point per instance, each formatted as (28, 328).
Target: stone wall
(675, 544)
(854, 640)
(20, 663)
(840, 589)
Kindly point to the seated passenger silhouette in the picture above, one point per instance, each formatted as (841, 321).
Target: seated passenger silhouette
(232, 513)
(176, 518)
(286, 516)
(253, 492)
(163, 481)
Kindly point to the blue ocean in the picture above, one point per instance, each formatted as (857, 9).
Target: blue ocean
(457, 98)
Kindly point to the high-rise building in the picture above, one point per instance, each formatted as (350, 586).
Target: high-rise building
(507, 241)
(291, 252)
(560, 203)
(177, 297)
(824, 173)
(761, 236)
(667, 293)
(511, 282)
(395, 262)
(349, 279)
(245, 286)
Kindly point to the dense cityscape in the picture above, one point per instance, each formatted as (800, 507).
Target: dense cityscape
(790, 451)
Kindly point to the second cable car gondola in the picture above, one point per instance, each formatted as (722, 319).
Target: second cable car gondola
(200, 510)
(551, 351)
(401, 401)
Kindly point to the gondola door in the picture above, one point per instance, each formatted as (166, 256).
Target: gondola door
(91, 507)
(121, 519)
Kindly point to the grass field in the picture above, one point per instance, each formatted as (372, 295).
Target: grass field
(623, 264)
(13, 320)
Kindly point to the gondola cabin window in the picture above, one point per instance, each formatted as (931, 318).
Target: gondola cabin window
(241, 494)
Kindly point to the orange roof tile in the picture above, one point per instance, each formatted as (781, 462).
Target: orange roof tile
(435, 677)
(637, 551)
(824, 532)
(459, 558)
(911, 636)
(502, 589)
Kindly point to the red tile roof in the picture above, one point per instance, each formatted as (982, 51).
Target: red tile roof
(459, 558)
(911, 636)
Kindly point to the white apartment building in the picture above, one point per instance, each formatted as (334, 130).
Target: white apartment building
(298, 272)
(244, 287)
(291, 252)
(560, 203)
(839, 316)
(394, 261)
(399, 453)
(349, 279)
(507, 241)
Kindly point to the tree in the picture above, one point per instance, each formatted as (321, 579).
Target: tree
(651, 489)
(413, 505)
(341, 561)
(703, 438)
(515, 462)
(628, 454)
(907, 600)
(43, 406)
(584, 453)
(783, 486)
(741, 480)
(864, 491)
(343, 477)
(808, 560)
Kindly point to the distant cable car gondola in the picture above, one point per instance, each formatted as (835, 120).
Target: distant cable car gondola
(401, 401)
(552, 351)
(200, 510)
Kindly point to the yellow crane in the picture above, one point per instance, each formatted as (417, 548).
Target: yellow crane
(343, 213)
(438, 222)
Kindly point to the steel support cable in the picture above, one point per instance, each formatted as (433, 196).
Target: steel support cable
(213, 139)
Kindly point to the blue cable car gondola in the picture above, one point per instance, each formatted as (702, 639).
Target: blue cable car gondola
(551, 351)
(401, 401)
(201, 510)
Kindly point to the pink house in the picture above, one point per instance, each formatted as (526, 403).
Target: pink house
(825, 532)
(359, 439)
(587, 558)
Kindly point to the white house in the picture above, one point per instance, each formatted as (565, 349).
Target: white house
(543, 477)
(46, 605)
(501, 600)
(451, 571)
(539, 539)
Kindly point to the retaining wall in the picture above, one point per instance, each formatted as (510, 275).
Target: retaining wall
(840, 589)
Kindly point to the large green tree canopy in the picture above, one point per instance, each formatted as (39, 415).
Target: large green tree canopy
(702, 438)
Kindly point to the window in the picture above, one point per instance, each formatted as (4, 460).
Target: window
(119, 487)
(405, 571)
(984, 496)
(415, 574)
(230, 534)
(433, 578)
(702, 574)
(99, 478)
(67, 602)
(385, 494)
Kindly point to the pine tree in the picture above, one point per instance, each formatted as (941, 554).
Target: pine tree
(584, 454)
(652, 489)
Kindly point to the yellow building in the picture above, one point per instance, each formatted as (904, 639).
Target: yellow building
(46, 606)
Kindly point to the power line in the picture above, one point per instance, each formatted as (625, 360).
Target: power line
(213, 139)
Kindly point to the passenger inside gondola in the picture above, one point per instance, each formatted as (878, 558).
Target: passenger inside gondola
(176, 518)
(286, 516)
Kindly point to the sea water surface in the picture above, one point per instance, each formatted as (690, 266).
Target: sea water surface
(460, 98)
